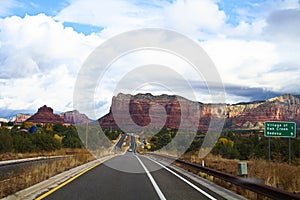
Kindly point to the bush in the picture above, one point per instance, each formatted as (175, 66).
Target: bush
(22, 143)
(45, 142)
(160, 140)
(59, 128)
(71, 138)
(6, 140)
(226, 149)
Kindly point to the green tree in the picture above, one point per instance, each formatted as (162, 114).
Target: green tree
(22, 143)
(59, 128)
(71, 138)
(6, 140)
(45, 142)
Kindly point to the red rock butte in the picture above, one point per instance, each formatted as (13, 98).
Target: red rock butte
(250, 115)
(45, 115)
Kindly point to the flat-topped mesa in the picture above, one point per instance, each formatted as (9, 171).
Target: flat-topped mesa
(178, 112)
(148, 96)
(45, 115)
(242, 115)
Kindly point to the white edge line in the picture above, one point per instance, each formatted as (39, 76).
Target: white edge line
(158, 191)
(183, 179)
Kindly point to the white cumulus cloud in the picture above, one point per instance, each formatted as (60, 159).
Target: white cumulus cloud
(39, 61)
(40, 57)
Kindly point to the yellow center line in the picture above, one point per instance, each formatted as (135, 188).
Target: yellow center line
(66, 182)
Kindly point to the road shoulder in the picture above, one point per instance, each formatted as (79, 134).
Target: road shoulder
(209, 185)
(44, 186)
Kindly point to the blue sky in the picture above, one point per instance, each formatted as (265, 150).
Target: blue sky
(231, 7)
(53, 7)
(50, 40)
(49, 8)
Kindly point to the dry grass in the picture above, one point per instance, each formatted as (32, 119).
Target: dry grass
(65, 151)
(279, 175)
(276, 174)
(42, 171)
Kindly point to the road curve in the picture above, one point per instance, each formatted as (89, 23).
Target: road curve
(115, 179)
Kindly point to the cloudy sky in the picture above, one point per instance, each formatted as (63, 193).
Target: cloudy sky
(255, 45)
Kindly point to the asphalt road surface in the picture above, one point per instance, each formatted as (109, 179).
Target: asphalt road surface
(132, 176)
(120, 142)
(133, 145)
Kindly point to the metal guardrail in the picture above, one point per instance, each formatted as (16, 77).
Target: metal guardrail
(268, 191)
(26, 160)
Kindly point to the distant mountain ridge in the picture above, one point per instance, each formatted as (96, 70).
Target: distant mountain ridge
(281, 108)
(243, 115)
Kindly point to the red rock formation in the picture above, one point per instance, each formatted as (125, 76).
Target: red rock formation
(74, 117)
(181, 111)
(45, 115)
(282, 108)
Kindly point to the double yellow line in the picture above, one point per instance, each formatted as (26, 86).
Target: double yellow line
(66, 182)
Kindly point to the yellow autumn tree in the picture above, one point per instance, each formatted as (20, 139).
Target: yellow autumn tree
(225, 148)
(226, 141)
(58, 138)
(48, 127)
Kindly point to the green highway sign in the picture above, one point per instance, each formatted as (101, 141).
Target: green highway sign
(280, 129)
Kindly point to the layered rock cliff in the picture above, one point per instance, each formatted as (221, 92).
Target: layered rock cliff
(131, 111)
(173, 111)
(20, 118)
(282, 108)
(74, 117)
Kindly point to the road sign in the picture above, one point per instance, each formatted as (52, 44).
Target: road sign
(280, 129)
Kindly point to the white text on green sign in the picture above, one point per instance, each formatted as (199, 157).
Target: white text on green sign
(280, 129)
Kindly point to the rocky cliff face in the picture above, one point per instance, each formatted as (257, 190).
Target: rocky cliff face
(74, 117)
(45, 115)
(169, 111)
(282, 108)
(20, 118)
(134, 110)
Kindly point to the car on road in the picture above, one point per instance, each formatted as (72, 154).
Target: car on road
(129, 150)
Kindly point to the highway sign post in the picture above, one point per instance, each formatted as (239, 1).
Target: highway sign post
(280, 129)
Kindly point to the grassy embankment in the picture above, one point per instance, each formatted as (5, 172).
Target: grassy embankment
(40, 172)
(276, 174)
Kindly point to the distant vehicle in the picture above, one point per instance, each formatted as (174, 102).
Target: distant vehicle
(129, 150)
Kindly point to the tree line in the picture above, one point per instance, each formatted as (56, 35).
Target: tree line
(46, 137)
(234, 145)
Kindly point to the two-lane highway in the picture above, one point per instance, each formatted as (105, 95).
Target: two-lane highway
(131, 176)
(119, 144)
(133, 145)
